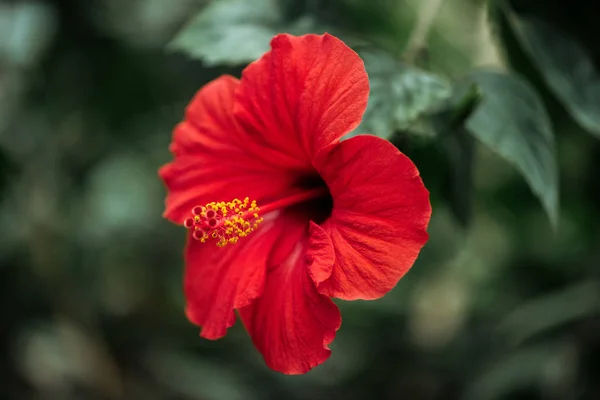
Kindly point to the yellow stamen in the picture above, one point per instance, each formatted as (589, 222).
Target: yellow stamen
(213, 222)
(229, 221)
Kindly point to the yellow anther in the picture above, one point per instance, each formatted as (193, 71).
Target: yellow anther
(213, 222)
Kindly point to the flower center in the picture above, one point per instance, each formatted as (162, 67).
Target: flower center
(228, 221)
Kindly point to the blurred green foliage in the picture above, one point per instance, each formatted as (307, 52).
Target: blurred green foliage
(496, 103)
(511, 120)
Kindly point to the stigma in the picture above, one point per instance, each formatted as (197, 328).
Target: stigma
(224, 222)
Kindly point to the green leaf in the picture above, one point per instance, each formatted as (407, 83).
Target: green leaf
(553, 310)
(528, 367)
(511, 120)
(400, 94)
(458, 148)
(236, 32)
(231, 32)
(565, 65)
(463, 105)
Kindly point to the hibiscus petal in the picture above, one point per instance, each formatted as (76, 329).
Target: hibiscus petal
(379, 219)
(291, 324)
(217, 280)
(211, 162)
(209, 123)
(302, 95)
(320, 256)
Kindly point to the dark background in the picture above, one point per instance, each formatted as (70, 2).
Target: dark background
(498, 306)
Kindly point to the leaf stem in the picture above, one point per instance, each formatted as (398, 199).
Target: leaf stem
(417, 41)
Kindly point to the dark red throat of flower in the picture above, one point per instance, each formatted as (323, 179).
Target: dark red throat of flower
(226, 222)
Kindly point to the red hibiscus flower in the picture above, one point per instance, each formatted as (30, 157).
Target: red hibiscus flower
(317, 218)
